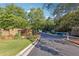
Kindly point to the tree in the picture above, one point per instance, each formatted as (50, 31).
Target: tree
(38, 21)
(68, 21)
(13, 17)
(8, 21)
(48, 25)
(66, 15)
(36, 16)
(58, 10)
(13, 9)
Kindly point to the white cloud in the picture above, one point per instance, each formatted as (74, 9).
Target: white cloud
(46, 17)
(28, 11)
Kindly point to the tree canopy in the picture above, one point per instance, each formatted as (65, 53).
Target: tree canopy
(60, 9)
(12, 16)
(68, 21)
(38, 20)
(18, 11)
(66, 15)
(36, 16)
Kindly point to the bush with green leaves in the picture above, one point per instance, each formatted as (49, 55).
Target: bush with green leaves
(8, 21)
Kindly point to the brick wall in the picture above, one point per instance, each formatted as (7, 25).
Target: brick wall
(11, 33)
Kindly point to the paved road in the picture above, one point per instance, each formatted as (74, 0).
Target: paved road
(43, 47)
(54, 45)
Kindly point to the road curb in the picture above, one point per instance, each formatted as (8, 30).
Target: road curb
(28, 48)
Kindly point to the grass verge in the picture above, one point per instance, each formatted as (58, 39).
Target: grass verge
(12, 47)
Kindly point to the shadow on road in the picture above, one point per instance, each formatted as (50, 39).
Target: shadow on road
(60, 41)
(47, 49)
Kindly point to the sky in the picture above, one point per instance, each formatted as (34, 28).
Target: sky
(28, 6)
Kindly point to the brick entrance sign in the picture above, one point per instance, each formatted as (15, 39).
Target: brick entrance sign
(11, 33)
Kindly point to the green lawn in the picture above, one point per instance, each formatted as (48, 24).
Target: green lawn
(12, 47)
